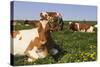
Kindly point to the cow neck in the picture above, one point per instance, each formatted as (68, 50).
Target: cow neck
(41, 32)
(43, 22)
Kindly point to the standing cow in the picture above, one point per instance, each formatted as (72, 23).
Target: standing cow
(53, 17)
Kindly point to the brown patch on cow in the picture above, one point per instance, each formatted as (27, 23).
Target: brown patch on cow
(83, 26)
(73, 27)
(14, 34)
(36, 43)
(32, 44)
(54, 26)
(45, 51)
(40, 41)
(52, 14)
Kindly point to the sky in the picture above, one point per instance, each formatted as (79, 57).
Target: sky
(31, 11)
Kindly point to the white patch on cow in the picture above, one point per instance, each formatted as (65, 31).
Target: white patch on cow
(54, 51)
(90, 29)
(78, 28)
(21, 45)
(43, 22)
(83, 30)
(44, 13)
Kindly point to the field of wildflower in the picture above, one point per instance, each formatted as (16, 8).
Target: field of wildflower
(73, 47)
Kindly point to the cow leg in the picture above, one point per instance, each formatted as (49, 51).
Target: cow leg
(31, 50)
(30, 58)
(33, 56)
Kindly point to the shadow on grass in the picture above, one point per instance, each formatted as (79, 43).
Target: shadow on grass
(52, 44)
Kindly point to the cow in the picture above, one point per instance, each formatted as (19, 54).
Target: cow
(32, 42)
(81, 27)
(53, 17)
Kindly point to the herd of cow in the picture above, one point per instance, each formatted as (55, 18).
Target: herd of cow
(37, 43)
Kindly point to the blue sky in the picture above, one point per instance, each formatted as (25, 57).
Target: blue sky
(31, 10)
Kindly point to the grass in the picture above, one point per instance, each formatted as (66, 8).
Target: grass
(74, 47)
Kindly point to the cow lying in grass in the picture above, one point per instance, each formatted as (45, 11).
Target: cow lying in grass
(32, 42)
(81, 27)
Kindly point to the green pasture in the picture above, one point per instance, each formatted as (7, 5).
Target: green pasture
(74, 47)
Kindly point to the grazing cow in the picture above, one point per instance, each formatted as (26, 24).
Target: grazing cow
(53, 17)
(32, 42)
(81, 27)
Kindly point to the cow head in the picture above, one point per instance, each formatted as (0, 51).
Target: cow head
(44, 15)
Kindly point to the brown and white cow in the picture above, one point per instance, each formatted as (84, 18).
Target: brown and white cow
(81, 27)
(48, 15)
(32, 42)
(53, 18)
